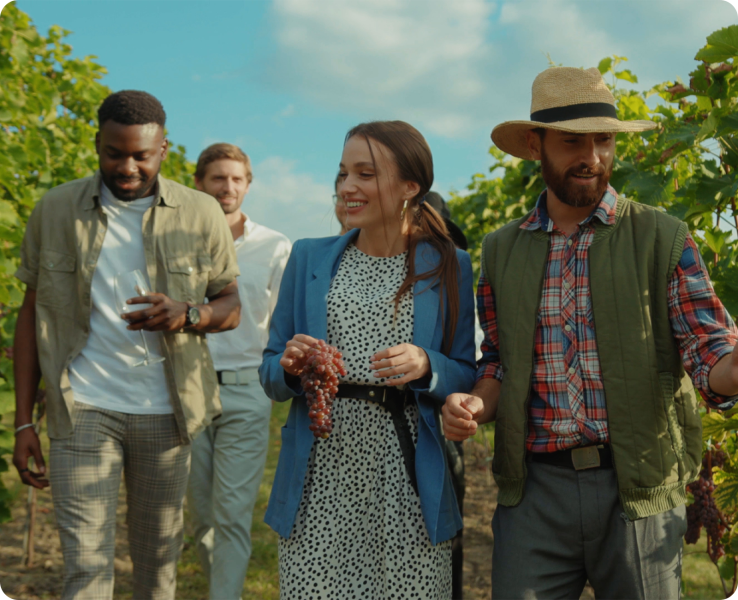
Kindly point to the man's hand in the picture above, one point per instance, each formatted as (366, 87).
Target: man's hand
(295, 353)
(165, 314)
(461, 414)
(407, 360)
(27, 444)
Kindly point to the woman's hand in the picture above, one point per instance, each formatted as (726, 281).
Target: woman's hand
(405, 359)
(295, 353)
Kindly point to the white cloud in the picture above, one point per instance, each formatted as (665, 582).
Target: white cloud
(290, 201)
(455, 68)
(387, 58)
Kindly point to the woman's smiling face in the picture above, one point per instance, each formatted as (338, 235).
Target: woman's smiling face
(370, 188)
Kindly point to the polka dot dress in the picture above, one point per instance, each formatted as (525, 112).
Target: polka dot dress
(359, 532)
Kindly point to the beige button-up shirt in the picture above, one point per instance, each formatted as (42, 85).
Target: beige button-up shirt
(189, 256)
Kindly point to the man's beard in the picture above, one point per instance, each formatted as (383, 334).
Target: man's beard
(146, 189)
(570, 193)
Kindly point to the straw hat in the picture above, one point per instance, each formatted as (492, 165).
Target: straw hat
(566, 99)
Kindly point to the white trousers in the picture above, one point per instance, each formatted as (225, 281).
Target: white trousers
(228, 461)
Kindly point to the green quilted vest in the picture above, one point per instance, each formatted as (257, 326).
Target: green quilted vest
(654, 424)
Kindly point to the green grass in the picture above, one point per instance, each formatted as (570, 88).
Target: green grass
(700, 579)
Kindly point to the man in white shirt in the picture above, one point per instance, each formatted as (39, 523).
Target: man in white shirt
(228, 458)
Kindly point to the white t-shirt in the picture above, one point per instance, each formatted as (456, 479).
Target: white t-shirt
(103, 374)
(262, 254)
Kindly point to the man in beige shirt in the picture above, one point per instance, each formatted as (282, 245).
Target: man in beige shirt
(114, 406)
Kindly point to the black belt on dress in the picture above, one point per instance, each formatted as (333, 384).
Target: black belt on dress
(580, 458)
(393, 400)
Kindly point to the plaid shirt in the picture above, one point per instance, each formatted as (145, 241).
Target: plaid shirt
(567, 404)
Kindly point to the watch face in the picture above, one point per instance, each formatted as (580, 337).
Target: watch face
(194, 315)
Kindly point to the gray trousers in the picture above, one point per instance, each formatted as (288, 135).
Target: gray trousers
(228, 461)
(570, 527)
(85, 473)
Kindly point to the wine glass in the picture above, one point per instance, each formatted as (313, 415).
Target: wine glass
(129, 285)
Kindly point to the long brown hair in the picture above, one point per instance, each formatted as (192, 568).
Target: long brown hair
(414, 162)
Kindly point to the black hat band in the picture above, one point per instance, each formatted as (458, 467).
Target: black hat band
(575, 111)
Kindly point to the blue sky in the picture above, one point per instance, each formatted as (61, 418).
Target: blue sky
(285, 79)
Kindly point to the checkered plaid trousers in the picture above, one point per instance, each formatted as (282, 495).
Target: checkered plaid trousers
(85, 474)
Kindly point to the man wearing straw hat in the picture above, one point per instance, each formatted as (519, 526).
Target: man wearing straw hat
(600, 321)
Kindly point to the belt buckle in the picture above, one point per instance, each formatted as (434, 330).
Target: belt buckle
(382, 400)
(232, 378)
(585, 458)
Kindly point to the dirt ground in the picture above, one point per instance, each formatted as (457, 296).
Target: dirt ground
(44, 579)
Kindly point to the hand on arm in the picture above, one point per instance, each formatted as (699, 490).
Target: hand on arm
(404, 359)
(462, 413)
(27, 377)
(221, 313)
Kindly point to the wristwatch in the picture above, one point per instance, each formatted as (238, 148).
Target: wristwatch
(192, 316)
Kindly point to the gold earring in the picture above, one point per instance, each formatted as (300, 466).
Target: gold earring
(404, 210)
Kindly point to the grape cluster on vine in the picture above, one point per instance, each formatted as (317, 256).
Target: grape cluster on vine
(703, 512)
(319, 378)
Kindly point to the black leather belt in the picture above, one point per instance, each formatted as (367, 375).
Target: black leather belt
(583, 457)
(393, 400)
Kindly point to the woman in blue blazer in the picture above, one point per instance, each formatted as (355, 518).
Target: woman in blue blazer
(369, 511)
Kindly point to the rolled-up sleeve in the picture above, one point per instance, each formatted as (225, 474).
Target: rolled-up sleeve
(488, 367)
(702, 327)
(27, 272)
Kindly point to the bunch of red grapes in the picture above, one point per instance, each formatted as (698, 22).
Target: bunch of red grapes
(704, 511)
(319, 378)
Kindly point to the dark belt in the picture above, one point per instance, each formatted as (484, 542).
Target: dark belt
(393, 400)
(584, 457)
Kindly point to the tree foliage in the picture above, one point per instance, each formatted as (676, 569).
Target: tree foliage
(48, 111)
(688, 167)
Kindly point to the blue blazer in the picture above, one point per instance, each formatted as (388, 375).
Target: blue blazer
(301, 308)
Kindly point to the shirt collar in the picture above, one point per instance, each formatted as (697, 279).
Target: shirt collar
(164, 196)
(248, 225)
(605, 212)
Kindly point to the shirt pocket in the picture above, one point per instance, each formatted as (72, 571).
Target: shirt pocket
(188, 277)
(56, 278)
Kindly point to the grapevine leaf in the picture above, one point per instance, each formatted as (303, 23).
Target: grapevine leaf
(626, 75)
(8, 216)
(726, 490)
(703, 103)
(604, 65)
(6, 439)
(714, 241)
(728, 124)
(5, 498)
(721, 45)
(713, 426)
(648, 186)
(726, 567)
(709, 127)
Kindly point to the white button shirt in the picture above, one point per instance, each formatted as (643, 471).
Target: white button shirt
(262, 254)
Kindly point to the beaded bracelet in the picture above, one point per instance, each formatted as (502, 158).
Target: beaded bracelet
(22, 427)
